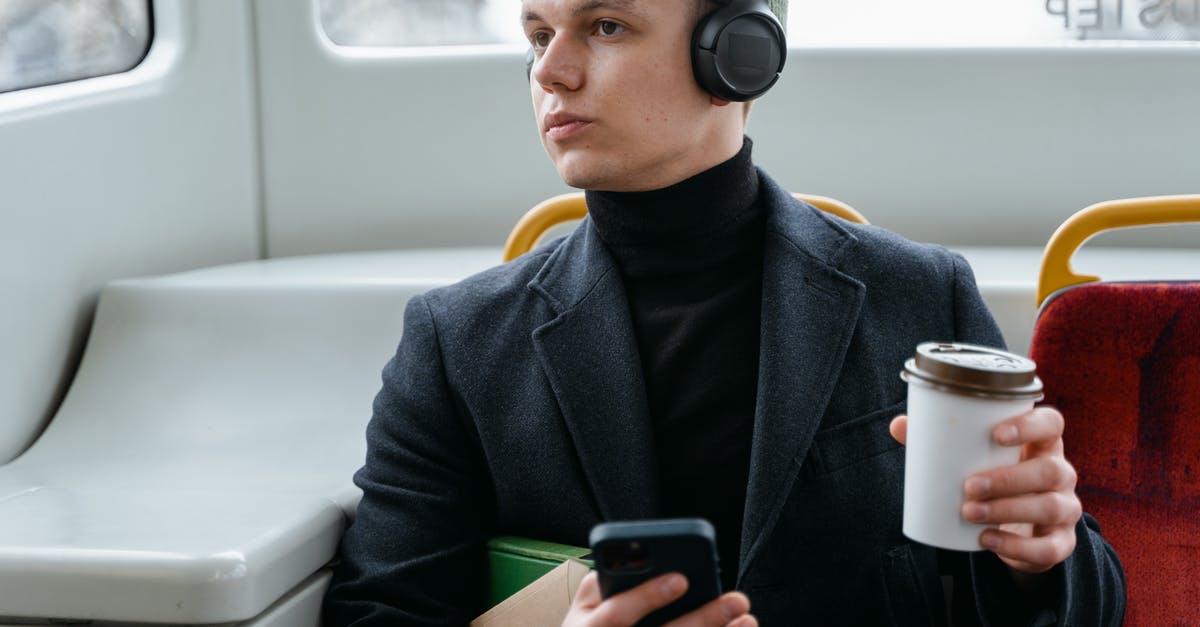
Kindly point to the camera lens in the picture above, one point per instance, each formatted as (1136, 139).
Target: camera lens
(624, 556)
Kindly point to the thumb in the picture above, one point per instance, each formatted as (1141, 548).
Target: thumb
(588, 595)
(899, 428)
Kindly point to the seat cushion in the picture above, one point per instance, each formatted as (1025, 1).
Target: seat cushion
(171, 556)
(1122, 363)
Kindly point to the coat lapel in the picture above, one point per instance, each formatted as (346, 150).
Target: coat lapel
(809, 312)
(590, 356)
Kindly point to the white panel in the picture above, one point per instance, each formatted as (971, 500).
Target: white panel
(199, 467)
(253, 376)
(382, 151)
(387, 147)
(300, 608)
(159, 556)
(986, 146)
(138, 173)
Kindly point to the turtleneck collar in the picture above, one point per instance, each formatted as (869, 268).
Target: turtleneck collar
(694, 209)
(698, 222)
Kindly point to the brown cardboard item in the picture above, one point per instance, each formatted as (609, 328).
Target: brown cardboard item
(543, 602)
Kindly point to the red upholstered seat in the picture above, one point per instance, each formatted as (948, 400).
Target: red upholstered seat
(1122, 363)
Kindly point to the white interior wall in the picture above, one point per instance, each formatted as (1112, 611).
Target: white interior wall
(370, 150)
(150, 171)
(383, 148)
(987, 146)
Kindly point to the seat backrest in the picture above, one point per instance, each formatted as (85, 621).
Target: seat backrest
(199, 469)
(566, 207)
(1122, 363)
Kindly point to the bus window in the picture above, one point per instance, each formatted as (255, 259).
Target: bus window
(43, 42)
(989, 22)
(421, 22)
(810, 22)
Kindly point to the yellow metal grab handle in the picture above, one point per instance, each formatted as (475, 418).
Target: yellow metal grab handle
(1056, 272)
(834, 206)
(567, 207)
(541, 218)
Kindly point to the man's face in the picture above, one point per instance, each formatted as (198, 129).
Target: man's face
(616, 104)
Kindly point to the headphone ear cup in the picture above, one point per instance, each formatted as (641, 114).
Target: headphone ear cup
(738, 50)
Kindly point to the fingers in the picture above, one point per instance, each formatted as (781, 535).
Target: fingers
(1030, 554)
(1034, 500)
(1040, 474)
(1048, 509)
(630, 606)
(720, 612)
(1041, 428)
(899, 428)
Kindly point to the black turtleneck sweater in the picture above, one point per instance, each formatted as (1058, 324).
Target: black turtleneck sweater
(691, 259)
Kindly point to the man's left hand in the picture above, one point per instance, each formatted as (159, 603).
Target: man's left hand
(1033, 501)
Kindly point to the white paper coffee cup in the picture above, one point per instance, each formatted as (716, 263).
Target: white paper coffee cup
(957, 394)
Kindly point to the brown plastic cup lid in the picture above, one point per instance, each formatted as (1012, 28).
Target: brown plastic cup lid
(974, 371)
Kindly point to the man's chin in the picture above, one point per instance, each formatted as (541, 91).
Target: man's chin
(579, 176)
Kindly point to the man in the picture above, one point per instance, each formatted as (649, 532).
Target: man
(702, 345)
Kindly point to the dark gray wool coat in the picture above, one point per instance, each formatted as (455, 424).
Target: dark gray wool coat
(515, 405)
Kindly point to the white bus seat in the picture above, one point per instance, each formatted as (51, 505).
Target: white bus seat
(199, 469)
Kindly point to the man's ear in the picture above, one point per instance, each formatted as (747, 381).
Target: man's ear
(718, 102)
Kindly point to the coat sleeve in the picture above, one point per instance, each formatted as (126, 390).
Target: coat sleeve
(414, 554)
(1089, 587)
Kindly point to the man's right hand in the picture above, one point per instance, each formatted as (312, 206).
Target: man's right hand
(626, 609)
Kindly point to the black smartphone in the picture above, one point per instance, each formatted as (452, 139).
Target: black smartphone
(628, 553)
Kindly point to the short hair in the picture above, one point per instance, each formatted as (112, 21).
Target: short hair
(778, 7)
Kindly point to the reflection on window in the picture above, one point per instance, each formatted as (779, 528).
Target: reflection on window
(1128, 19)
(810, 22)
(421, 22)
(53, 41)
(975, 22)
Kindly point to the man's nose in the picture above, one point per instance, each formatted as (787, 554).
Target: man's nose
(560, 67)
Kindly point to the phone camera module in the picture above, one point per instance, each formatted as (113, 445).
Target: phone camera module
(624, 556)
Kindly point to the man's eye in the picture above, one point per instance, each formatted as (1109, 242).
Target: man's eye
(540, 40)
(609, 28)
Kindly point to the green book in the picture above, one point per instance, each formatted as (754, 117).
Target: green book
(514, 563)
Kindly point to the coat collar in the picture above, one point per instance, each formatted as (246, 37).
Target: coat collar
(810, 308)
(590, 355)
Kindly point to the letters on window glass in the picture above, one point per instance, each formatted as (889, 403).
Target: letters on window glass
(810, 22)
(1128, 19)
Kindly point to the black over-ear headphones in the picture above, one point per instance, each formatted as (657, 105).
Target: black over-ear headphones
(737, 51)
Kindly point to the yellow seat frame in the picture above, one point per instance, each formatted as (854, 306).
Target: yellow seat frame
(1056, 273)
(566, 207)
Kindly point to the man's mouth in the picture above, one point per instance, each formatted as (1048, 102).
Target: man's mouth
(561, 125)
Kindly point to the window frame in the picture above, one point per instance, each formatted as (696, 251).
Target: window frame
(166, 43)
